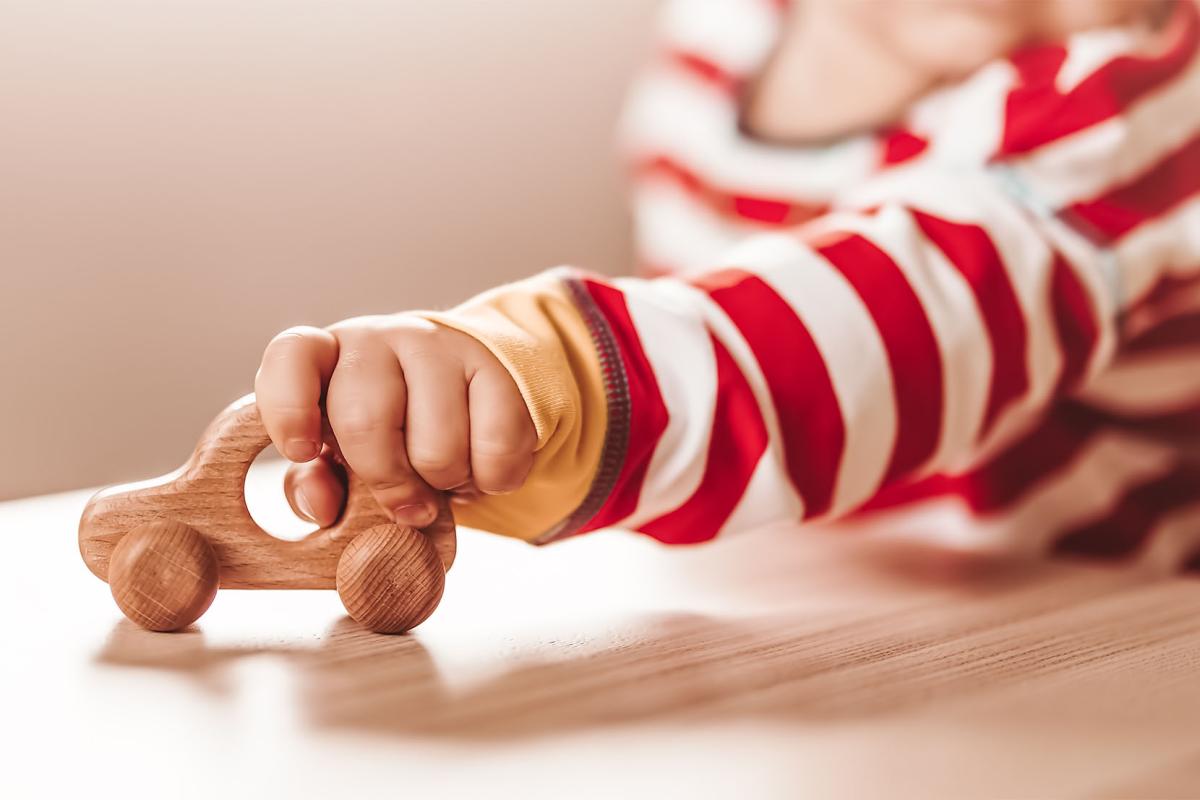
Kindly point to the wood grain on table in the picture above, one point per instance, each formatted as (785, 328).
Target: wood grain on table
(779, 664)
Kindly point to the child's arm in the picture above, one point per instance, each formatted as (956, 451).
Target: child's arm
(812, 369)
(796, 381)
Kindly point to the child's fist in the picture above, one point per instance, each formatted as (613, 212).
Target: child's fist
(410, 406)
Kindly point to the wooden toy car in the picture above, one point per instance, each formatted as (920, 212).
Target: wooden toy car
(165, 545)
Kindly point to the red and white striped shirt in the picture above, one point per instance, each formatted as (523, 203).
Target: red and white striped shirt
(982, 325)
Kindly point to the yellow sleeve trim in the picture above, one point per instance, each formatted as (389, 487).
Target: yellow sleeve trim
(537, 332)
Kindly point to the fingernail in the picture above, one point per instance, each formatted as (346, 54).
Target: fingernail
(304, 506)
(416, 515)
(300, 450)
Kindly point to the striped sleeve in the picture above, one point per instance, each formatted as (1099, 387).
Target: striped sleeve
(811, 371)
(816, 369)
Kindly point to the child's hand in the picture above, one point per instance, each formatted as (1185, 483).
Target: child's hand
(411, 406)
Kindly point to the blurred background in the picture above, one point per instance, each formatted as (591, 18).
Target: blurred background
(181, 179)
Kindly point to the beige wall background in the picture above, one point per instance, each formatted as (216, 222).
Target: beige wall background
(181, 179)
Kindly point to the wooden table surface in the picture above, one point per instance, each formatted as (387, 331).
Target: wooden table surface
(779, 664)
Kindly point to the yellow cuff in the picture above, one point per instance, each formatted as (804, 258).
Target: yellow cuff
(537, 332)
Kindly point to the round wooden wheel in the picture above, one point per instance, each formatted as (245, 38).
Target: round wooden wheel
(390, 578)
(163, 575)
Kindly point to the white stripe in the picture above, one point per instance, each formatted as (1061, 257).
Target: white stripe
(1168, 245)
(759, 504)
(1153, 383)
(1172, 542)
(851, 347)
(1096, 271)
(954, 316)
(676, 344)
(1086, 164)
(1089, 50)
(670, 113)
(736, 34)
(1028, 261)
(1086, 491)
(785, 502)
(677, 231)
(964, 122)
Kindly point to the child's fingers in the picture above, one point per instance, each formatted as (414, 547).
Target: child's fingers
(443, 533)
(295, 368)
(502, 435)
(316, 490)
(366, 404)
(437, 428)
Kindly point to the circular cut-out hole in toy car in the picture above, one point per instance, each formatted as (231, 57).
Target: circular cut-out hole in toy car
(269, 507)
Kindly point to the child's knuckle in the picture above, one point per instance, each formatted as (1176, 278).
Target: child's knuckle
(436, 462)
(358, 421)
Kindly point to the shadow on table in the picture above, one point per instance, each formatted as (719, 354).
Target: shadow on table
(791, 666)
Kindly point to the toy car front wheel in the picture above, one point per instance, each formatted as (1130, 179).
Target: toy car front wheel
(163, 575)
(390, 578)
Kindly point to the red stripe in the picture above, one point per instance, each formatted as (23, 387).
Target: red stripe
(1037, 113)
(647, 413)
(900, 145)
(1181, 424)
(1123, 531)
(664, 167)
(1152, 194)
(1033, 99)
(1162, 291)
(912, 349)
(739, 438)
(762, 210)
(706, 70)
(1075, 323)
(771, 211)
(1176, 333)
(1025, 464)
(1193, 564)
(970, 250)
(810, 418)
